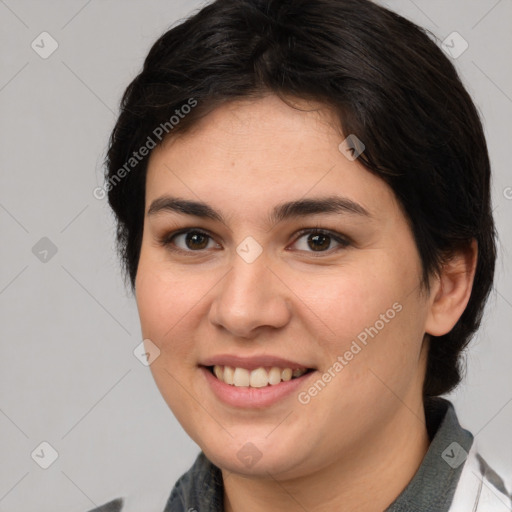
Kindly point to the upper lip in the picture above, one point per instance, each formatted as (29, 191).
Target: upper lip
(251, 363)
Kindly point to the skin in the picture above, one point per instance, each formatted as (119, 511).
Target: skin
(342, 450)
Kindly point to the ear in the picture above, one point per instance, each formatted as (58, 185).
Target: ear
(451, 290)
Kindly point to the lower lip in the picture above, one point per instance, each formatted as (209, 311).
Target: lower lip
(247, 397)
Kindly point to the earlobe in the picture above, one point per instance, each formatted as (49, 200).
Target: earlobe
(452, 290)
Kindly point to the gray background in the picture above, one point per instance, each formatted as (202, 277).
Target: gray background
(68, 375)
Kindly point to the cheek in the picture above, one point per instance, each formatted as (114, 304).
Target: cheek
(371, 312)
(373, 345)
(169, 308)
(168, 302)
(153, 295)
(351, 299)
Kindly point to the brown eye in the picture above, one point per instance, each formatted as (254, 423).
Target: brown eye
(196, 240)
(319, 241)
(315, 240)
(190, 240)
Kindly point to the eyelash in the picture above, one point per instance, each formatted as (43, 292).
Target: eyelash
(166, 241)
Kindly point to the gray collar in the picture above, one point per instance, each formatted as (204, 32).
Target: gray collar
(433, 486)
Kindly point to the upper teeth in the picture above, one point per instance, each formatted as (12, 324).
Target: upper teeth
(258, 378)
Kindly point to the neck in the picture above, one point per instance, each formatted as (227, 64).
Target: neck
(367, 478)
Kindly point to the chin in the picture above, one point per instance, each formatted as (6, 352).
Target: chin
(258, 458)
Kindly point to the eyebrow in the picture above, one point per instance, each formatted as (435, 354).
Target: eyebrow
(291, 209)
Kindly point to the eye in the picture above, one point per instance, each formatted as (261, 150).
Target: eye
(309, 240)
(319, 240)
(191, 240)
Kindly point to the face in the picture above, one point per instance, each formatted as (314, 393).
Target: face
(328, 286)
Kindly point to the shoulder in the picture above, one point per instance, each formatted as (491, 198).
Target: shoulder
(481, 488)
(112, 506)
(147, 501)
(203, 479)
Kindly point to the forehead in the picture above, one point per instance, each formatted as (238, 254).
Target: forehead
(251, 153)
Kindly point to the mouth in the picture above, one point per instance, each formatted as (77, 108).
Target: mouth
(260, 377)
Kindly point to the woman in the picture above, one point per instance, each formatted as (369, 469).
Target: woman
(303, 205)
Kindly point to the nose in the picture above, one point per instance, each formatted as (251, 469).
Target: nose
(250, 299)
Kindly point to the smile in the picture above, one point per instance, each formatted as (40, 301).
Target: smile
(256, 388)
(257, 378)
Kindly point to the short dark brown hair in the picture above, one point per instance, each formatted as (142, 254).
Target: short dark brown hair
(384, 77)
